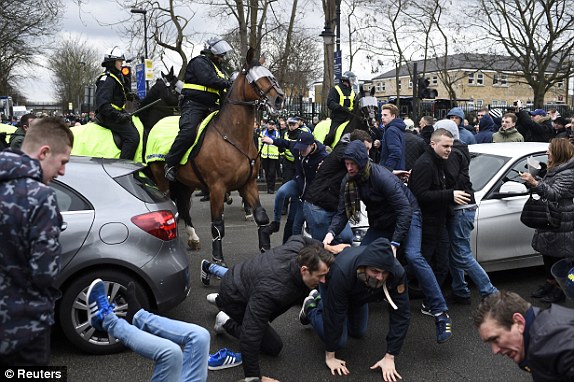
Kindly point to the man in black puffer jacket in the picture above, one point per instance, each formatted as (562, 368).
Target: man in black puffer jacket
(254, 293)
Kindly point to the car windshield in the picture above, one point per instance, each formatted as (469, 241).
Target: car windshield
(140, 186)
(483, 167)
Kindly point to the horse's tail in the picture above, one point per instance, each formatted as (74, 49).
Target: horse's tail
(181, 196)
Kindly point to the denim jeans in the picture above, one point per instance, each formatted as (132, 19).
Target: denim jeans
(461, 258)
(318, 221)
(160, 339)
(217, 270)
(295, 219)
(355, 323)
(287, 190)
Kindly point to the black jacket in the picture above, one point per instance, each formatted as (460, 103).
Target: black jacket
(457, 174)
(110, 90)
(259, 290)
(415, 146)
(201, 71)
(549, 343)
(390, 204)
(428, 184)
(339, 113)
(324, 191)
(345, 291)
(530, 130)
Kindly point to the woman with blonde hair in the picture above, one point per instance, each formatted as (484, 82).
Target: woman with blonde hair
(557, 186)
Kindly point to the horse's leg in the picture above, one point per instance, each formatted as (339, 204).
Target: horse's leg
(217, 196)
(250, 195)
(181, 195)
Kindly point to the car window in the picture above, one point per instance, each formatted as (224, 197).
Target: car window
(522, 166)
(140, 186)
(483, 167)
(68, 199)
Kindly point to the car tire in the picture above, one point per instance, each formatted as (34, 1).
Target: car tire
(73, 310)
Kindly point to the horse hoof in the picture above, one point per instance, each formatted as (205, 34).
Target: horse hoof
(194, 245)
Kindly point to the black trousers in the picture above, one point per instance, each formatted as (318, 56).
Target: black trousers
(332, 132)
(435, 246)
(192, 113)
(270, 168)
(130, 137)
(34, 353)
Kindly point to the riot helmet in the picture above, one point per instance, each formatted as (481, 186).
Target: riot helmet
(112, 56)
(349, 76)
(218, 46)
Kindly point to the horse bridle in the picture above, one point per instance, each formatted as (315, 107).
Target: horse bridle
(252, 76)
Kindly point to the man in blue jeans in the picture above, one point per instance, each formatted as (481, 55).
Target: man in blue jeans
(360, 275)
(394, 214)
(154, 337)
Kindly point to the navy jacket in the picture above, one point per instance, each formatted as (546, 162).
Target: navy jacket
(345, 291)
(393, 145)
(486, 128)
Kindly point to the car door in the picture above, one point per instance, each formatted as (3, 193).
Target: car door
(78, 217)
(500, 235)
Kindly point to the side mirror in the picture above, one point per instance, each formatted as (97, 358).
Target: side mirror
(510, 189)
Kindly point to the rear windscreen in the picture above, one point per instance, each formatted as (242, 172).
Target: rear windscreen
(139, 185)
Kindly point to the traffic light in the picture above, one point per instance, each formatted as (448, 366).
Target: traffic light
(423, 89)
(127, 73)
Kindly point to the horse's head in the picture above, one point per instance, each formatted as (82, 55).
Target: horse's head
(264, 89)
(368, 107)
(173, 87)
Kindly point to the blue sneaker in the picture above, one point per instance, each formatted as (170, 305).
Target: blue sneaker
(224, 359)
(98, 304)
(443, 328)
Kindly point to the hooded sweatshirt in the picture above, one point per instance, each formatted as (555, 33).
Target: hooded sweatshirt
(30, 224)
(486, 128)
(346, 291)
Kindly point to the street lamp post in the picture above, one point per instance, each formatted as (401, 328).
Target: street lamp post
(328, 42)
(144, 13)
(81, 86)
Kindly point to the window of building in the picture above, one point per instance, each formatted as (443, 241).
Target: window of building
(560, 85)
(471, 78)
(383, 87)
(410, 83)
(378, 87)
(500, 79)
(479, 79)
(434, 80)
(479, 103)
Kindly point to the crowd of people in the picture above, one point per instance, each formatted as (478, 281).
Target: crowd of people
(420, 204)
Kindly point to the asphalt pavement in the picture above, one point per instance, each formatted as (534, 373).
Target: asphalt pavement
(463, 358)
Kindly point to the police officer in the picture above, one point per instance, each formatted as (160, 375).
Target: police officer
(111, 102)
(340, 101)
(205, 83)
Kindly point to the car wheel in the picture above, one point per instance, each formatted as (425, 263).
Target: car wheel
(73, 310)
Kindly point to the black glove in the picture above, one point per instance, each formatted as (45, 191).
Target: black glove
(124, 118)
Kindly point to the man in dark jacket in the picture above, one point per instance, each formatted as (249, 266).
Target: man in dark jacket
(559, 128)
(111, 96)
(360, 275)
(30, 224)
(486, 128)
(541, 342)
(535, 126)
(205, 82)
(254, 293)
(393, 142)
(340, 100)
(18, 136)
(322, 198)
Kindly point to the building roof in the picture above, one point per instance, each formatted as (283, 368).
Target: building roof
(461, 61)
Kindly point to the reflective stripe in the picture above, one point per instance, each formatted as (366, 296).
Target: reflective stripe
(202, 88)
(120, 108)
(343, 97)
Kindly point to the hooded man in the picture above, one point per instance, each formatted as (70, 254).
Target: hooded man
(456, 114)
(486, 128)
(360, 275)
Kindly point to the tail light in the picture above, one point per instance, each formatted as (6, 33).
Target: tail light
(160, 224)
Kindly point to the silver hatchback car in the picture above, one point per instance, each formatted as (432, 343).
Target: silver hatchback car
(120, 228)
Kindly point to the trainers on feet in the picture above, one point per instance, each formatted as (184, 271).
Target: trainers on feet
(98, 304)
(170, 172)
(220, 320)
(543, 290)
(456, 299)
(309, 303)
(426, 310)
(211, 298)
(443, 328)
(224, 359)
(205, 274)
(554, 296)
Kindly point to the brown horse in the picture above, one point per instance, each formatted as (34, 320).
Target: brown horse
(228, 159)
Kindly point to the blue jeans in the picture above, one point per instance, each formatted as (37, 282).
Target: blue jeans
(318, 221)
(295, 219)
(217, 270)
(287, 190)
(160, 339)
(355, 323)
(461, 258)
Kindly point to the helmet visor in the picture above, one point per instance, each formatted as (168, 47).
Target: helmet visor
(220, 48)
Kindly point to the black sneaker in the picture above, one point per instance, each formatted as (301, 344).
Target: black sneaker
(426, 310)
(543, 290)
(555, 295)
(205, 274)
(443, 328)
(459, 300)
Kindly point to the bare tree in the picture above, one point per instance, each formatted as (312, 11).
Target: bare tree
(25, 27)
(537, 34)
(75, 65)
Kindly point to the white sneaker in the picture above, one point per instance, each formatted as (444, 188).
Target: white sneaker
(220, 320)
(211, 298)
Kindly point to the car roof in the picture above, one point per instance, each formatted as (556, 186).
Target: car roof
(508, 149)
(114, 167)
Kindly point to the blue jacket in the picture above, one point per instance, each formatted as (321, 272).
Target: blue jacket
(30, 224)
(393, 145)
(390, 204)
(345, 291)
(486, 128)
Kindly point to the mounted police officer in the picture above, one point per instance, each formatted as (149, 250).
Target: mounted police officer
(205, 84)
(111, 102)
(340, 101)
